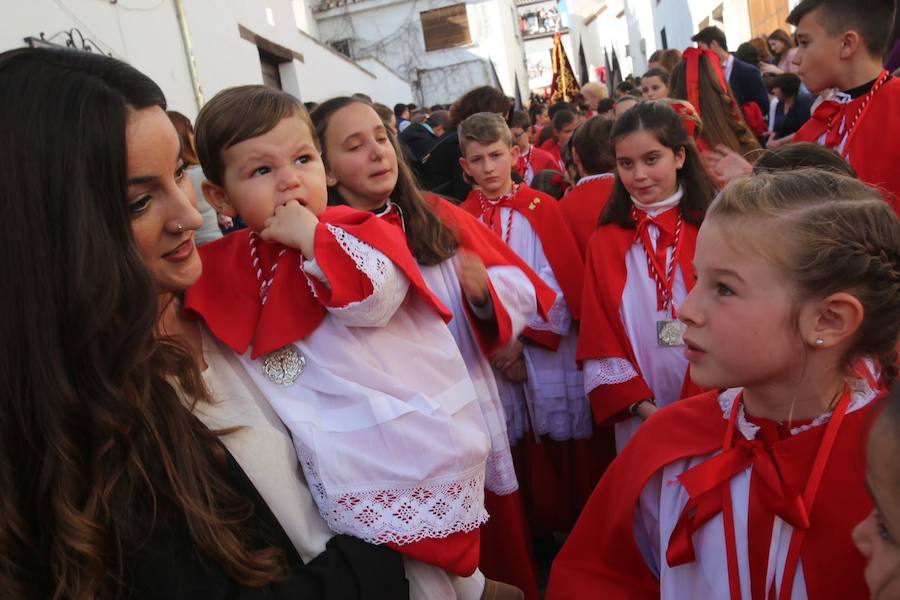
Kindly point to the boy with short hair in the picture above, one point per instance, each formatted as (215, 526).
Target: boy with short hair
(841, 45)
(328, 314)
(532, 225)
(531, 159)
(537, 377)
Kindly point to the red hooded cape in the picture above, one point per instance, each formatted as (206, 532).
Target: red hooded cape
(474, 237)
(601, 558)
(872, 151)
(227, 295)
(559, 247)
(582, 207)
(602, 332)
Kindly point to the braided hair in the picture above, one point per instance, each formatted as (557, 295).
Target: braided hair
(838, 235)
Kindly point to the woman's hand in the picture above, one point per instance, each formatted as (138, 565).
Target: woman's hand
(725, 164)
(473, 278)
(292, 225)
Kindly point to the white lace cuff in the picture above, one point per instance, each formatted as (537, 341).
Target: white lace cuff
(558, 318)
(607, 371)
(389, 284)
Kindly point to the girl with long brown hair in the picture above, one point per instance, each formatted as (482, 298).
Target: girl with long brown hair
(491, 293)
(699, 80)
(113, 487)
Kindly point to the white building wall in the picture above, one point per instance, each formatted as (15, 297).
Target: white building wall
(604, 34)
(391, 31)
(146, 34)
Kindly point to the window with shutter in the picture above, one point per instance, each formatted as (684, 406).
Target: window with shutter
(446, 27)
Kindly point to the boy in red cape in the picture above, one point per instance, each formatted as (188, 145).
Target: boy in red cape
(532, 160)
(332, 320)
(539, 382)
(841, 46)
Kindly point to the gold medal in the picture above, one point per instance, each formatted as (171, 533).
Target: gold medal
(670, 332)
(284, 366)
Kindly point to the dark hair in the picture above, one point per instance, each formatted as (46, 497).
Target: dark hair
(871, 19)
(799, 155)
(481, 99)
(747, 53)
(562, 119)
(657, 54)
(237, 114)
(657, 72)
(521, 120)
(399, 109)
(626, 87)
(429, 239)
(96, 442)
(559, 106)
(535, 110)
(711, 34)
(788, 83)
(661, 120)
(383, 111)
(835, 234)
(185, 131)
(439, 118)
(550, 182)
(782, 36)
(361, 96)
(594, 147)
(606, 105)
(669, 59)
(723, 122)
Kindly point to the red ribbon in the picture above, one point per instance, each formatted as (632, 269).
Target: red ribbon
(691, 58)
(667, 223)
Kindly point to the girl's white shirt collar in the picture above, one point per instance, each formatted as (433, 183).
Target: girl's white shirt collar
(662, 206)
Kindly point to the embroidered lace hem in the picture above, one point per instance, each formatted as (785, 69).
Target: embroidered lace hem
(403, 514)
(558, 319)
(500, 473)
(607, 371)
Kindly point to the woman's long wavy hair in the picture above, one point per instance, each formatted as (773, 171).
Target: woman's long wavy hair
(429, 239)
(723, 121)
(96, 443)
(660, 119)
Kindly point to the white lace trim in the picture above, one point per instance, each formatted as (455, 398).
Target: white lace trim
(607, 371)
(405, 514)
(589, 178)
(861, 395)
(388, 283)
(558, 319)
(500, 473)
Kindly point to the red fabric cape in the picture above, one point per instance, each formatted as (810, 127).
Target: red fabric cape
(558, 243)
(873, 149)
(541, 160)
(552, 148)
(601, 559)
(227, 298)
(602, 332)
(582, 207)
(474, 237)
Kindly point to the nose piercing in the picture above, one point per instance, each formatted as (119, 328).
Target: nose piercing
(179, 227)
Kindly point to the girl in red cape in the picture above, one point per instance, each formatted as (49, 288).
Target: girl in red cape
(490, 291)
(752, 490)
(639, 270)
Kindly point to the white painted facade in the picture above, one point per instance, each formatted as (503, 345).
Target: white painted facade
(146, 34)
(631, 30)
(391, 31)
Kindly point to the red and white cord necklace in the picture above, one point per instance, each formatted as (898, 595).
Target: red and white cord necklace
(265, 283)
(487, 205)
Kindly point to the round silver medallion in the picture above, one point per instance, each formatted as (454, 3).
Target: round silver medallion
(284, 366)
(671, 332)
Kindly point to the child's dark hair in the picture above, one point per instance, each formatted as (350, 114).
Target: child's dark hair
(659, 119)
(429, 240)
(594, 147)
(872, 19)
(535, 110)
(520, 119)
(835, 234)
(237, 114)
(605, 105)
(802, 155)
(481, 99)
(552, 183)
(723, 121)
(657, 72)
(563, 119)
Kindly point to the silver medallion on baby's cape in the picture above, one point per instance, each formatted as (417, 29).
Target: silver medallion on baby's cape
(670, 332)
(284, 366)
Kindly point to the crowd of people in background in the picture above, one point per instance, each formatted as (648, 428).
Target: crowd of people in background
(633, 344)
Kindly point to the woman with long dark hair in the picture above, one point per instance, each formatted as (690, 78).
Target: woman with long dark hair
(113, 485)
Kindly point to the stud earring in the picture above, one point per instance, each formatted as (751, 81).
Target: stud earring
(820, 342)
(179, 227)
